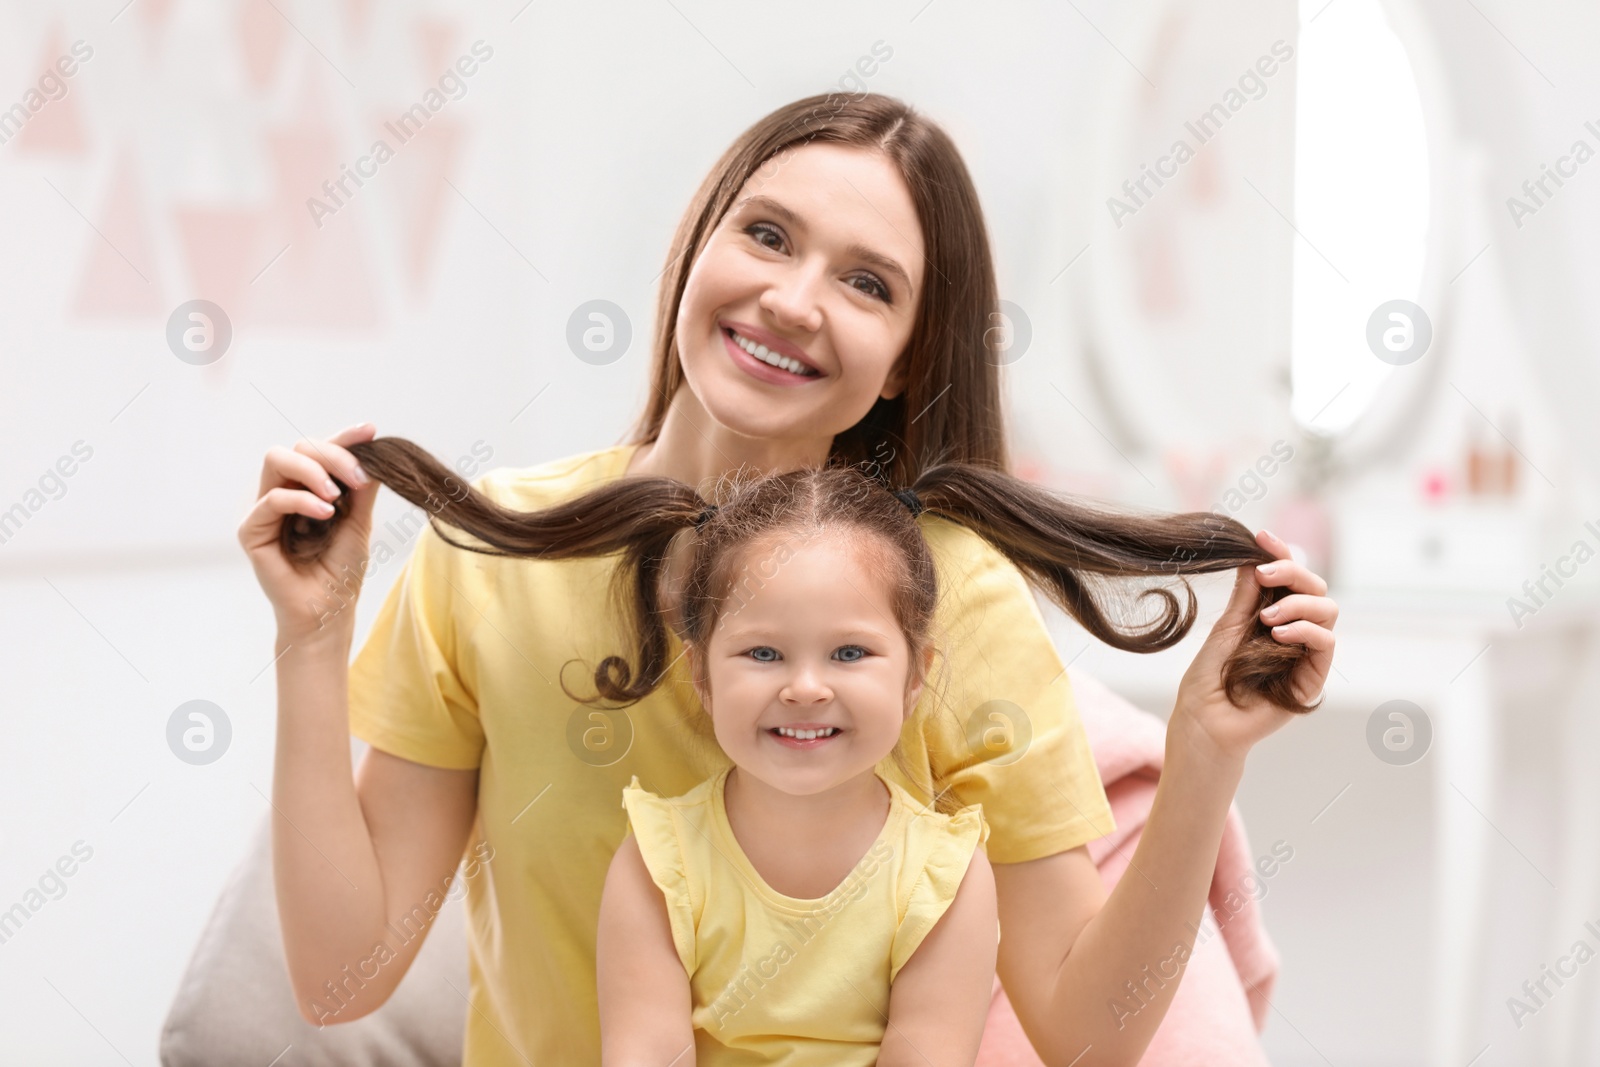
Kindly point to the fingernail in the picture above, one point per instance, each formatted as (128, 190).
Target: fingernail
(325, 506)
(1267, 569)
(1269, 533)
(330, 488)
(360, 476)
(1270, 613)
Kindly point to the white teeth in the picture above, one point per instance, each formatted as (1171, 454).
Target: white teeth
(766, 355)
(807, 735)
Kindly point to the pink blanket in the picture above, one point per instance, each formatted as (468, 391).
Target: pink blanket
(1222, 999)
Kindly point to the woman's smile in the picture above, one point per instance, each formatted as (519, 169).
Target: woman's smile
(762, 362)
(771, 348)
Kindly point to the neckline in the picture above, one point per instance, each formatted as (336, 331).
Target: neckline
(753, 876)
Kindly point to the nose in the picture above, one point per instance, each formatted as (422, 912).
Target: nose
(791, 298)
(805, 686)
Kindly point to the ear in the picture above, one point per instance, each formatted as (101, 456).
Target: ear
(692, 658)
(914, 685)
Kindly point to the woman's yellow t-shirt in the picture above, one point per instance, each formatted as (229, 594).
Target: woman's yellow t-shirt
(779, 979)
(462, 668)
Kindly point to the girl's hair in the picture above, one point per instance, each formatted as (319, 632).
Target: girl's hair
(1067, 547)
(952, 354)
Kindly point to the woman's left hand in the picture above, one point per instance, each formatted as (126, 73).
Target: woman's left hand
(1306, 616)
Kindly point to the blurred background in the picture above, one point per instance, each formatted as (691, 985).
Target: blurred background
(1321, 268)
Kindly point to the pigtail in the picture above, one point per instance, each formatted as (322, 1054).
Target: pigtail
(1057, 541)
(636, 517)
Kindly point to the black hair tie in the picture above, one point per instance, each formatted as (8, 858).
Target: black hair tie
(909, 498)
(705, 515)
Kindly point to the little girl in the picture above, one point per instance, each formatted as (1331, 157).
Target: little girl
(798, 904)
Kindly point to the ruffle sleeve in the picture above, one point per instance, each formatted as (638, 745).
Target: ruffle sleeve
(948, 856)
(655, 826)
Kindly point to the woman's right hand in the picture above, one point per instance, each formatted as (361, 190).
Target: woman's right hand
(315, 600)
(1228, 730)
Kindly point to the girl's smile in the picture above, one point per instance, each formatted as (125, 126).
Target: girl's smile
(804, 735)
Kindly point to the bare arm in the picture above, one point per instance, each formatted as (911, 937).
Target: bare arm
(644, 996)
(1067, 948)
(354, 857)
(1082, 949)
(353, 861)
(940, 999)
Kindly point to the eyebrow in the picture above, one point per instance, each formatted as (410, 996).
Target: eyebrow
(859, 251)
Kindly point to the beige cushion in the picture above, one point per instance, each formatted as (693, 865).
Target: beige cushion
(234, 1004)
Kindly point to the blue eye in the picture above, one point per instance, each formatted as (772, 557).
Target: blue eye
(851, 653)
(763, 654)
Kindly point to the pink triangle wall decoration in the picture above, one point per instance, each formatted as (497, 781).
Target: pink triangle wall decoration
(57, 128)
(415, 181)
(434, 37)
(119, 279)
(223, 250)
(262, 33)
(323, 280)
(356, 14)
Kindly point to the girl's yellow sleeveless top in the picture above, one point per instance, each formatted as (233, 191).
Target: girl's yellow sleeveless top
(778, 979)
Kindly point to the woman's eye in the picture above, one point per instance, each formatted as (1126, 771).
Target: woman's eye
(851, 653)
(875, 288)
(761, 230)
(764, 654)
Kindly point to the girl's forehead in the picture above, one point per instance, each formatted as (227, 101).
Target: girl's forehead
(837, 541)
(840, 562)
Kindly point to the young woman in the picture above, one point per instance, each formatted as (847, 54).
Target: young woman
(828, 296)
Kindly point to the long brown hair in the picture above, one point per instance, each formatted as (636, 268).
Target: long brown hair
(950, 409)
(1066, 546)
